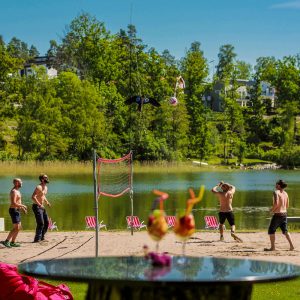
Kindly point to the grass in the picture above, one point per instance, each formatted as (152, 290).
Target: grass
(275, 291)
(21, 168)
(50, 167)
(64, 168)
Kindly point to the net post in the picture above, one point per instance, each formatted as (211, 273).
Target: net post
(96, 200)
(131, 190)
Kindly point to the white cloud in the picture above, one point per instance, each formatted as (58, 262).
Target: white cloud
(291, 5)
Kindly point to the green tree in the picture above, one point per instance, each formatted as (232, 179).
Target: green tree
(243, 70)
(195, 71)
(83, 48)
(84, 125)
(266, 69)
(33, 52)
(256, 127)
(226, 63)
(18, 49)
(39, 119)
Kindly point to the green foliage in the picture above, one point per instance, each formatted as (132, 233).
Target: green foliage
(225, 66)
(65, 118)
(243, 70)
(195, 71)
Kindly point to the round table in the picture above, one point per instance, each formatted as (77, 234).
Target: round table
(186, 278)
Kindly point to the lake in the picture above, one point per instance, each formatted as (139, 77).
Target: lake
(72, 197)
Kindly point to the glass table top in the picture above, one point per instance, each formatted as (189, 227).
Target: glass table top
(139, 269)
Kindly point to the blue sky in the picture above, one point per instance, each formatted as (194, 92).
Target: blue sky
(254, 27)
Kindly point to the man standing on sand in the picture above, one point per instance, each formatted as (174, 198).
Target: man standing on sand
(225, 192)
(41, 217)
(14, 211)
(279, 219)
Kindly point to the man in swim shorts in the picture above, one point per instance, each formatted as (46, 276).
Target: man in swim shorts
(225, 192)
(14, 210)
(279, 219)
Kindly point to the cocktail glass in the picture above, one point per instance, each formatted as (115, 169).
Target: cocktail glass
(184, 228)
(185, 222)
(157, 225)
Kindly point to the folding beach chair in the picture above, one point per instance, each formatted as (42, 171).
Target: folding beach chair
(136, 223)
(91, 223)
(51, 225)
(171, 221)
(211, 222)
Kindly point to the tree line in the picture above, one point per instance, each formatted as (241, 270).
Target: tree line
(66, 117)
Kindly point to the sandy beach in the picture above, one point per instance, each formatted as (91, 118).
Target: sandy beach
(115, 243)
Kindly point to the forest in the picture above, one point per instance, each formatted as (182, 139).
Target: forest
(83, 108)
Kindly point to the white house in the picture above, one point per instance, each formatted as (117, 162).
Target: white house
(39, 61)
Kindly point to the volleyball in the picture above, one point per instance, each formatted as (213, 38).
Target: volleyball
(173, 101)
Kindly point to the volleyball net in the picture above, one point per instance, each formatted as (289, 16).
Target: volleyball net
(114, 176)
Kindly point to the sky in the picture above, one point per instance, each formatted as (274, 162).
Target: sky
(254, 27)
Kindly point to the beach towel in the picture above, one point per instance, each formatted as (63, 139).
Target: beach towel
(15, 286)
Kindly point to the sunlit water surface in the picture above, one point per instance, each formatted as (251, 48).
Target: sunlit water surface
(72, 197)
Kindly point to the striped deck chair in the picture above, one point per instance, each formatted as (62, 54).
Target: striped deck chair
(51, 225)
(211, 222)
(171, 221)
(136, 223)
(91, 223)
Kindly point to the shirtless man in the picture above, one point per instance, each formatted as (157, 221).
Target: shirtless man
(14, 211)
(41, 217)
(225, 192)
(279, 219)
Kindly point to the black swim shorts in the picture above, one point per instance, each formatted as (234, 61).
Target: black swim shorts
(278, 220)
(226, 215)
(15, 215)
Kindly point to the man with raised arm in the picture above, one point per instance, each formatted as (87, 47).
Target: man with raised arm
(225, 192)
(14, 211)
(38, 207)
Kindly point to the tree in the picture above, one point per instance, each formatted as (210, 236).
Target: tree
(18, 49)
(83, 48)
(257, 128)
(8, 81)
(195, 71)
(226, 63)
(52, 51)
(33, 52)
(39, 119)
(84, 125)
(243, 70)
(266, 69)
(287, 81)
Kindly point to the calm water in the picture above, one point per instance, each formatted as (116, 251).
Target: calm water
(72, 197)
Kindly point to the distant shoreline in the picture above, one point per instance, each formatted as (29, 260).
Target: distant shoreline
(20, 168)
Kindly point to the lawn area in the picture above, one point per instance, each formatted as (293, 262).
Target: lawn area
(267, 291)
(277, 291)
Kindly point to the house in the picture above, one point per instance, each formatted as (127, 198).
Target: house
(213, 98)
(39, 61)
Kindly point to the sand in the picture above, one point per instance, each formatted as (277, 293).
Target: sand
(115, 243)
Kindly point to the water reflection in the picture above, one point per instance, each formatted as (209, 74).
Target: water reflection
(72, 197)
(139, 268)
